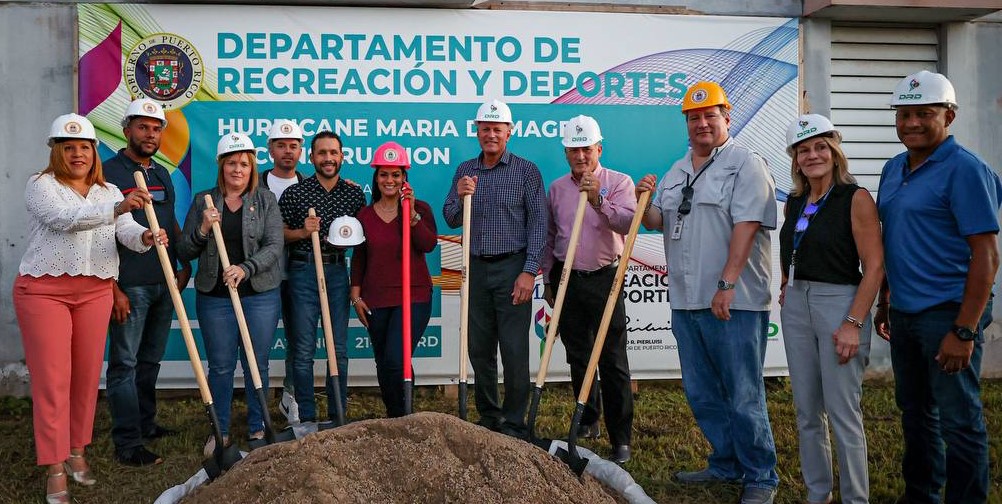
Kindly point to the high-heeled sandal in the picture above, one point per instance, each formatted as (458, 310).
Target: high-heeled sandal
(60, 497)
(85, 477)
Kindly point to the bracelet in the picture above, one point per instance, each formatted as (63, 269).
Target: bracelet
(198, 233)
(355, 301)
(854, 321)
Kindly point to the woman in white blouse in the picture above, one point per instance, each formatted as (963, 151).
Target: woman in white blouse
(63, 296)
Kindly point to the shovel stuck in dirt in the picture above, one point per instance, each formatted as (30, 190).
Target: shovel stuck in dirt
(325, 317)
(570, 455)
(464, 304)
(552, 328)
(224, 456)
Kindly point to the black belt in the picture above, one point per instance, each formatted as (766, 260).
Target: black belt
(585, 274)
(498, 257)
(325, 257)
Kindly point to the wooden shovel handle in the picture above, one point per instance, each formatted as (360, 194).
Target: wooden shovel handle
(238, 309)
(175, 297)
(558, 302)
(325, 309)
(610, 304)
(464, 290)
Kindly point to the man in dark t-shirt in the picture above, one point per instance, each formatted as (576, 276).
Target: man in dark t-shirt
(143, 311)
(331, 196)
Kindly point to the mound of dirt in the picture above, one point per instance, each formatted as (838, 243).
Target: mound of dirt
(425, 457)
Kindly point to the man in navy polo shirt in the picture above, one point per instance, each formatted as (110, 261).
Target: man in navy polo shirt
(142, 313)
(938, 203)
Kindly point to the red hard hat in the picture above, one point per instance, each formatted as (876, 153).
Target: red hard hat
(391, 154)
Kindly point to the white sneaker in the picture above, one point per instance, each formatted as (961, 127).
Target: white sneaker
(289, 408)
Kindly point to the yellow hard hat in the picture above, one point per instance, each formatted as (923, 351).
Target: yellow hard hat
(704, 94)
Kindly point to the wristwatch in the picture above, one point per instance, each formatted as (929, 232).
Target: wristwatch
(724, 285)
(600, 200)
(963, 333)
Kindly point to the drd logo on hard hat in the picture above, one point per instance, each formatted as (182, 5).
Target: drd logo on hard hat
(803, 124)
(578, 129)
(699, 96)
(73, 127)
(149, 108)
(913, 84)
(285, 128)
(344, 231)
(390, 155)
(164, 67)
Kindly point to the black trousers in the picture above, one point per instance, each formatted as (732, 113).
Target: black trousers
(497, 324)
(584, 304)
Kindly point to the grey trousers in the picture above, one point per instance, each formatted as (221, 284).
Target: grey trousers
(825, 391)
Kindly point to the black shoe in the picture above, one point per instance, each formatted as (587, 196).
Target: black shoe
(138, 457)
(590, 431)
(620, 454)
(159, 431)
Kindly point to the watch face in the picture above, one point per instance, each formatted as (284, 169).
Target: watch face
(963, 333)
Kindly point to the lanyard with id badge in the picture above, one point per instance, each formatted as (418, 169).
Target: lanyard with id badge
(807, 212)
(686, 206)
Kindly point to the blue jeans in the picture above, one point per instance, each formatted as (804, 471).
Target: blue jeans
(222, 346)
(134, 352)
(946, 442)
(386, 334)
(305, 315)
(722, 365)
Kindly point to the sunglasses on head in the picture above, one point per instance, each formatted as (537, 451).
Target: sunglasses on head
(686, 206)
(805, 218)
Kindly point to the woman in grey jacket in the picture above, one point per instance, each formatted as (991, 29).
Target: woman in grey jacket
(251, 226)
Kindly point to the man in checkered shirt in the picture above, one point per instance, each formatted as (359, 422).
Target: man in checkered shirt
(508, 230)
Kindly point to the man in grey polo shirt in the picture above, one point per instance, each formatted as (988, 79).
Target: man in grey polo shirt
(715, 207)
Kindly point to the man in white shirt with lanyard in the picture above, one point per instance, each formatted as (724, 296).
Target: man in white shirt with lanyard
(285, 146)
(716, 206)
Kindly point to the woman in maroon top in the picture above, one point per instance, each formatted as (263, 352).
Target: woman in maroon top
(376, 290)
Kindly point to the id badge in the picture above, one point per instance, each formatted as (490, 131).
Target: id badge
(793, 273)
(676, 230)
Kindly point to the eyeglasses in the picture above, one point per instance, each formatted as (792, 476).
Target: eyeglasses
(686, 206)
(805, 218)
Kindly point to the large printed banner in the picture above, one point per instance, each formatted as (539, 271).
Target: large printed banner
(417, 76)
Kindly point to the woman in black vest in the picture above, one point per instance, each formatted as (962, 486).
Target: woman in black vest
(833, 264)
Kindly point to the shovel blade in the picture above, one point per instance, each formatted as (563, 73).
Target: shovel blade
(573, 460)
(286, 434)
(254, 444)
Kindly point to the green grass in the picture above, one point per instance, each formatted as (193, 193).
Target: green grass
(666, 439)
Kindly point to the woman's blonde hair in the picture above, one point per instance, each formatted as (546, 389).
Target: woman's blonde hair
(61, 171)
(252, 185)
(840, 172)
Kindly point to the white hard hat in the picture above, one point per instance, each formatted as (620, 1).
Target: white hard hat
(924, 88)
(494, 111)
(144, 107)
(71, 126)
(233, 142)
(345, 231)
(581, 131)
(285, 129)
(809, 126)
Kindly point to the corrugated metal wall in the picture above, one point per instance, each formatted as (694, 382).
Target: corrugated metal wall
(866, 63)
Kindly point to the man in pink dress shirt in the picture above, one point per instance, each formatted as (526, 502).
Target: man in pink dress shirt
(612, 203)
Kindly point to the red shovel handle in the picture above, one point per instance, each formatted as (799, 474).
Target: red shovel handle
(405, 273)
